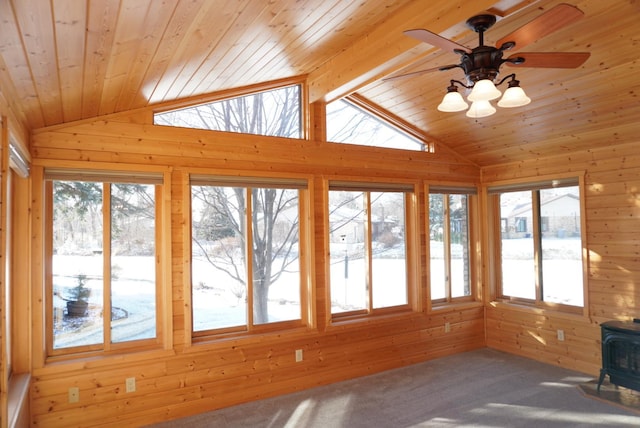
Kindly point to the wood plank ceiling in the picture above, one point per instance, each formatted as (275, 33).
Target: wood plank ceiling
(65, 60)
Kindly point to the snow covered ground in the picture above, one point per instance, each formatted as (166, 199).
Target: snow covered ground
(216, 306)
(133, 299)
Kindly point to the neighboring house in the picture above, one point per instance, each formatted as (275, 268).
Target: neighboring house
(559, 217)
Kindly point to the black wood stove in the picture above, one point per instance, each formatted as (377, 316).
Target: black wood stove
(621, 353)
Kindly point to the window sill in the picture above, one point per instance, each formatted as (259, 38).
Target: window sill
(455, 306)
(61, 364)
(368, 319)
(211, 342)
(578, 314)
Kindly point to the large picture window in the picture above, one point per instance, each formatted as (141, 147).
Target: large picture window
(246, 262)
(103, 276)
(540, 242)
(449, 243)
(368, 248)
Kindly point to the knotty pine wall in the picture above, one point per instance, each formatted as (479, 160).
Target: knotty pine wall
(186, 378)
(612, 178)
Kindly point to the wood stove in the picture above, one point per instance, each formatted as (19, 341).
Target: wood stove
(621, 353)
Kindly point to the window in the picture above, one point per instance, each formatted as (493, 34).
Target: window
(544, 224)
(349, 123)
(368, 248)
(274, 113)
(6, 217)
(15, 249)
(247, 269)
(540, 245)
(449, 232)
(103, 277)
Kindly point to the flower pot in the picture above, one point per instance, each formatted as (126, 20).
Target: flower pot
(77, 308)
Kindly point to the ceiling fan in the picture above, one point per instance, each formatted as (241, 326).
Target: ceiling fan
(481, 65)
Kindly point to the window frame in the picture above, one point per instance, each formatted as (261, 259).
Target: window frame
(472, 216)
(410, 190)
(13, 192)
(244, 92)
(396, 123)
(304, 185)
(492, 193)
(160, 178)
(7, 324)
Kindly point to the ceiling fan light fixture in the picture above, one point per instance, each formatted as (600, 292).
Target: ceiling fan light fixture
(514, 96)
(484, 90)
(452, 101)
(481, 65)
(480, 109)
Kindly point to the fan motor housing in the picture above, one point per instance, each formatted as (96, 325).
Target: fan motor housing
(482, 63)
(480, 23)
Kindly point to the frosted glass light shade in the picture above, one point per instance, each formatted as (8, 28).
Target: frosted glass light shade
(480, 109)
(514, 96)
(452, 102)
(484, 90)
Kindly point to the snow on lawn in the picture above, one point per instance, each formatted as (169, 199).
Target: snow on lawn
(133, 299)
(561, 268)
(215, 304)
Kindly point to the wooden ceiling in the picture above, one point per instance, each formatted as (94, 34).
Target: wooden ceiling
(65, 60)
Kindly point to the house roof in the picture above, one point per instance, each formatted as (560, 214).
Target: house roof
(519, 207)
(62, 61)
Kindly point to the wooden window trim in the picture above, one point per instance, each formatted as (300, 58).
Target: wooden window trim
(303, 185)
(411, 249)
(159, 178)
(493, 190)
(472, 208)
(391, 119)
(229, 94)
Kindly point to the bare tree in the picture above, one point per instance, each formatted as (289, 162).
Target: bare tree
(273, 239)
(275, 113)
(274, 229)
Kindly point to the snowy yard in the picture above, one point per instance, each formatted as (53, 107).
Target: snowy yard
(215, 304)
(132, 299)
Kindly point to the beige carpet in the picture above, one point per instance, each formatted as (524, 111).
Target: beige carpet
(483, 388)
(609, 393)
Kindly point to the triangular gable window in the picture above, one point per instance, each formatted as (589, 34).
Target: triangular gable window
(273, 113)
(348, 123)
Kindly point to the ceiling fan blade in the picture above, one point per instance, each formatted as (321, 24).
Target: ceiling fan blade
(543, 25)
(418, 72)
(436, 40)
(550, 59)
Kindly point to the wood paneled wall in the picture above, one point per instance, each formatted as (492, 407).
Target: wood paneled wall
(185, 378)
(612, 199)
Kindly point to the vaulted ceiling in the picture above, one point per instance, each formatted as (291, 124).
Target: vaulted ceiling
(65, 60)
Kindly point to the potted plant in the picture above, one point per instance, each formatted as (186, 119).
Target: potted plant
(78, 300)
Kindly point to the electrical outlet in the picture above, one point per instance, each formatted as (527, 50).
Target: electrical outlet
(447, 327)
(561, 335)
(298, 355)
(130, 384)
(74, 394)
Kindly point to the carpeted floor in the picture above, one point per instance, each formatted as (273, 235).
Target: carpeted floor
(483, 388)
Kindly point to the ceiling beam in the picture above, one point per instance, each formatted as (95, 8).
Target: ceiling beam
(386, 49)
